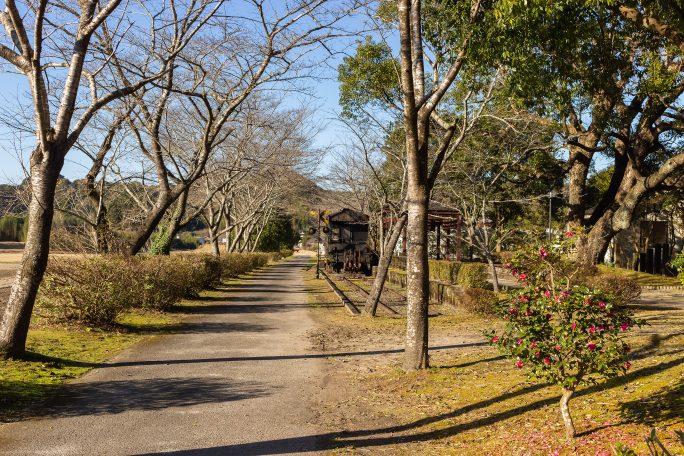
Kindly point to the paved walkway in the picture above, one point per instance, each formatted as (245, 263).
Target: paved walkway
(237, 381)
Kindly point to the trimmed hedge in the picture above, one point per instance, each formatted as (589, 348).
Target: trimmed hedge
(444, 271)
(473, 275)
(96, 289)
(622, 290)
(479, 301)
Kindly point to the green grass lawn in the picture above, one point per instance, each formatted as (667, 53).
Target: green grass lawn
(56, 354)
(641, 278)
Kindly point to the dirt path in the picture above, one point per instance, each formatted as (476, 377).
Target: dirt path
(238, 381)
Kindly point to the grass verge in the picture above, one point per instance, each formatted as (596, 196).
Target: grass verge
(641, 278)
(475, 402)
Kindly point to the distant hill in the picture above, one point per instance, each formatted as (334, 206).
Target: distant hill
(308, 195)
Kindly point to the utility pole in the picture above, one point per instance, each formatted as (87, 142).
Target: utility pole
(318, 250)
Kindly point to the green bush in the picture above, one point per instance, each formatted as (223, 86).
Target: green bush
(162, 281)
(678, 264)
(92, 290)
(444, 271)
(13, 228)
(479, 301)
(185, 241)
(235, 264)
(96, 289)
(622, 290)
(473, 275)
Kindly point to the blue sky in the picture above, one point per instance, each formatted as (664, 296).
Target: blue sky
(14, 147)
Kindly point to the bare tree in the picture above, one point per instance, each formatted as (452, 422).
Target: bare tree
(42, 38)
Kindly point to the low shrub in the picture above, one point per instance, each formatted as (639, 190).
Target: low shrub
(473, 275)
(96, 289)
(234, 264)
(678, 264)
(479, 301)
(162, 281)
(622, 290)
(444, 271)
(92, 290)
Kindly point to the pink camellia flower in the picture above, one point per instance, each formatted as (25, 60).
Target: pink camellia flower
(592, 329)
(524, 298)
(522, 276)
(533, 344)
(519, 341)
(537, 354)
(588, 301)
(602, 305)
(627, 365)
(591, 346)
(624, 327)
(547, 293)
(528, 312)
(519, 364)
(557, 348)
(543, 253)
(495, 339)
(547, 360)
(574, 325)
(569, 234)
(513, 311)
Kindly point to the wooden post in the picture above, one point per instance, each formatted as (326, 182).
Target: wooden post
(448, 243)
(439, 241)
(459, 221)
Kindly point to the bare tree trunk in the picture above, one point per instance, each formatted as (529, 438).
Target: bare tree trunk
(565, 413)
(495, 276)
(417, 279)
(383, 267)
(17, 315)
(166, 233)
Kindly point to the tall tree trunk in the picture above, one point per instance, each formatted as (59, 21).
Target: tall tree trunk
(417, 279)
(17, 315)
(383, 266)
(577, 185)
(214, 239)
(565, 413)
(161, 244)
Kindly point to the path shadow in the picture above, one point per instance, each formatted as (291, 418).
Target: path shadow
(237, 308)
(278, 357)
(370, 438)
(111, 397)
(200, 327)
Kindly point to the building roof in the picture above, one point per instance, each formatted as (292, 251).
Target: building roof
(347, 215)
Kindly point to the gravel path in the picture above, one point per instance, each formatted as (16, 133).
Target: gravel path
(238, 381)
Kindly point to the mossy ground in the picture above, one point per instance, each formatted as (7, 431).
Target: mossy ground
(56, 354)
(475, 402)
(641, 278)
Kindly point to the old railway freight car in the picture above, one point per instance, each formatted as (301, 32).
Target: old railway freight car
(346, 244)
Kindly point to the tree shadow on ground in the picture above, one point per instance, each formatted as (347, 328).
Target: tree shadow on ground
(200, 327)
(111, 397)
(663, 406)
(237, 308)
(411, 432)
(279, 357)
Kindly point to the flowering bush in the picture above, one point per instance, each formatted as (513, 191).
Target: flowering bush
(563, 333)
(678, 264)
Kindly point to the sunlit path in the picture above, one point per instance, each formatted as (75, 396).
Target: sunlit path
(178, 392)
